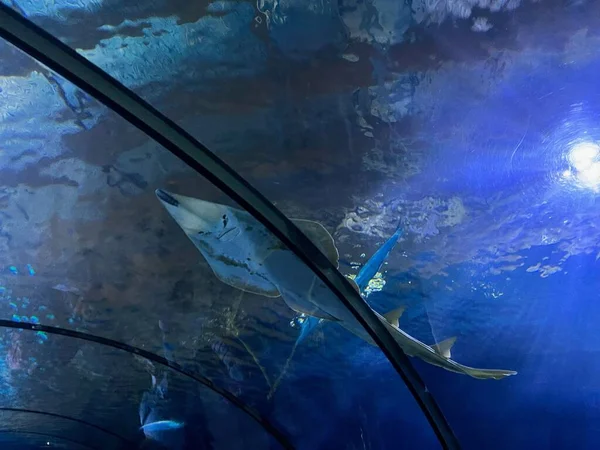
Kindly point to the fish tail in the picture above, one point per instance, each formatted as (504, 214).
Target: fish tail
(487, 374)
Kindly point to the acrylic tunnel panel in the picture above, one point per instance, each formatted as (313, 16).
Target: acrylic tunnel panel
(65, 392)
(90, 247)
(472, 124)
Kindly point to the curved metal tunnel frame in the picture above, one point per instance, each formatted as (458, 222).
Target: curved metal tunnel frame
(127, 442)
(65, 61)
(49, 435)
(263, 422)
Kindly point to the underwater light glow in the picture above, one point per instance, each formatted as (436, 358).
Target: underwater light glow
(583, 155)
(584, 158)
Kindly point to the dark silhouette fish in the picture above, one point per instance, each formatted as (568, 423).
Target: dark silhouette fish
(157, 409)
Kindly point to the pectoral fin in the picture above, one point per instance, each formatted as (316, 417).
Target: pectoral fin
(393, 317)
(354, 285)
(319, 235)
(443, 348)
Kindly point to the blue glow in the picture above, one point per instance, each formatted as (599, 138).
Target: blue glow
(13, 270)
(42, 308)
(13, 306)
(16, 318)
(71, 321)
(34, 319)
(50, 316)
(162, 425)
(30, 270)
(24, 319)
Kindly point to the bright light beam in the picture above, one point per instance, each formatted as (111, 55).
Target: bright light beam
(584, 158)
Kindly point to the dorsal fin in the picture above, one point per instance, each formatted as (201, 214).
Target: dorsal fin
(443, 348)
(319, 235)
(394, 315)
(354, 285)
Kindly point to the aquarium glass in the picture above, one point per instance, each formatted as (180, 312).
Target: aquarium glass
(91, 247)
(471, 126)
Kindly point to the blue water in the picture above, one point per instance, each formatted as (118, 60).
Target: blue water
(483, 146)
(546, 329)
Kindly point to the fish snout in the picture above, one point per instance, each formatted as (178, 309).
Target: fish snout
(193, 216)
(167, 198)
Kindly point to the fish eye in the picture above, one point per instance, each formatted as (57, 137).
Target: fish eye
(225, 220)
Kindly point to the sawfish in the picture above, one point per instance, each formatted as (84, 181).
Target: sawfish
(245, 255)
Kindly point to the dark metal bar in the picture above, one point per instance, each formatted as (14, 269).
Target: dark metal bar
(263, 422)
(66, 62)
(130, 443)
